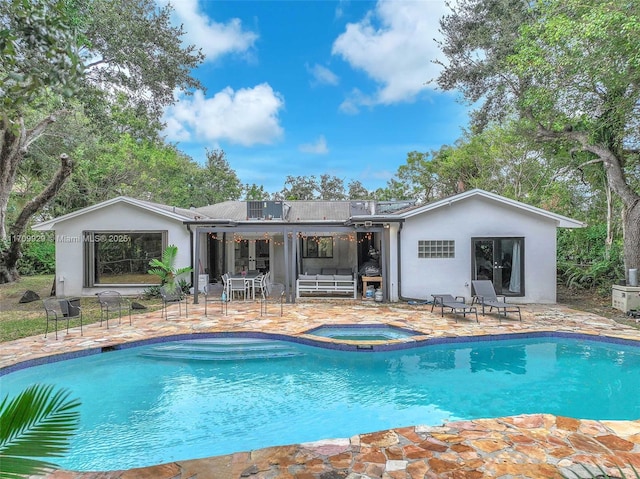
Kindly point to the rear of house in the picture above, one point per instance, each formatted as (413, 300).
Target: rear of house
(479, 235)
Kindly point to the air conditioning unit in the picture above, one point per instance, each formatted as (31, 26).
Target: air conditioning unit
(625, 298)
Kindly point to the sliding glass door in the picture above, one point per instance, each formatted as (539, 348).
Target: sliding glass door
(500, 260)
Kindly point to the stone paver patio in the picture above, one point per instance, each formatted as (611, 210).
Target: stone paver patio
(530, 446)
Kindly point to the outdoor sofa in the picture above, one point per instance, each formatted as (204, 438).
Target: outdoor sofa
(330, 282)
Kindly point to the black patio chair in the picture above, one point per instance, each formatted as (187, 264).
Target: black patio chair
(215, 293)
(60, 310)
(112, 302)
(172, 296)
(273, 293)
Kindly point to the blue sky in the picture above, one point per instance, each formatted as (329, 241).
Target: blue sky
(314, 87)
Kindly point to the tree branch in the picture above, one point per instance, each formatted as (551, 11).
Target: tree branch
(29, 136)
(66, 167)
(613, 168)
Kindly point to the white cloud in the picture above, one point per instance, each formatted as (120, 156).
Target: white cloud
(215, 39)
(248, 116)
(354, 101)
(394, 45)
(322, 75)
(317, 148)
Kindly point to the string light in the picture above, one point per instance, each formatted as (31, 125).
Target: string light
(343, 237)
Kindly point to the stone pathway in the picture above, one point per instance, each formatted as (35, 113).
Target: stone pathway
(531, 446)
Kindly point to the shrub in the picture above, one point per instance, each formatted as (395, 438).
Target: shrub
(38, 257)
(584, 262)
(38, 253)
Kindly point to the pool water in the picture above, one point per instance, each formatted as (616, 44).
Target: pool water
(173, 401)
(362, 332)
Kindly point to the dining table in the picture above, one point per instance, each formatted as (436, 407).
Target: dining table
(250, 278)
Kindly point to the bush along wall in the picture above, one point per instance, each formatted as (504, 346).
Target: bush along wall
(38, 253)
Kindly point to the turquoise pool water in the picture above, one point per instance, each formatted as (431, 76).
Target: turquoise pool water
(190, 399)
(361, 332)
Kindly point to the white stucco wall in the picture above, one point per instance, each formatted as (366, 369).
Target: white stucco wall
(116, 217)
(476, 217)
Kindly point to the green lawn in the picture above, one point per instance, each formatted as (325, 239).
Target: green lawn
(19, 320)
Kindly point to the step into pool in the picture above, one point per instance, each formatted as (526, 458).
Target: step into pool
(222, 349)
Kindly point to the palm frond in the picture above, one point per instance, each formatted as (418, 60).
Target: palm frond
(169, 256)
(37, 423)
(162, 274)
(157, 264)
(186, 269)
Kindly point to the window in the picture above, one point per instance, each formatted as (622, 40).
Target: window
(436, 249)
(116, 257)
(317, 247)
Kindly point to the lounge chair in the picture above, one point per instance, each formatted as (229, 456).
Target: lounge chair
(486, 296)
(456, 305)
(110, 302)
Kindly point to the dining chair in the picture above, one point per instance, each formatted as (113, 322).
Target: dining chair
(238, 287)
(258, 285)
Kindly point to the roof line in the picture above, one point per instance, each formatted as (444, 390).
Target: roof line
(48, 225)
(563, 221)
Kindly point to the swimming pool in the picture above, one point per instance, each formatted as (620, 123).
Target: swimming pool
(140, 409)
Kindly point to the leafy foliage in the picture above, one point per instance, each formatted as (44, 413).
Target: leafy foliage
(38, 257)
(216, 181)
(118, 63)
(36, 46)
(165, 269)
(568, 70)
(585, 262)
(38, 423)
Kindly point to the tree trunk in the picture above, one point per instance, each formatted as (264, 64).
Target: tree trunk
(631, 223)
(9, 257)
(616, 182)
(609, 239)
(15, 140)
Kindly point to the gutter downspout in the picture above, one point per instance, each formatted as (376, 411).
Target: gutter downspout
(399, 262)
(194, 272)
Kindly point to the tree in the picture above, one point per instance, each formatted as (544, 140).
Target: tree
(300, 188)
(331, 188)
(38, 423)
(217, 182)
(569, 69)
(310, 188)
(357, 191)
(110, 58)
(254, 192)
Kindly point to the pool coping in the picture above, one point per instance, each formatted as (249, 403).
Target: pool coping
(307, 339)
